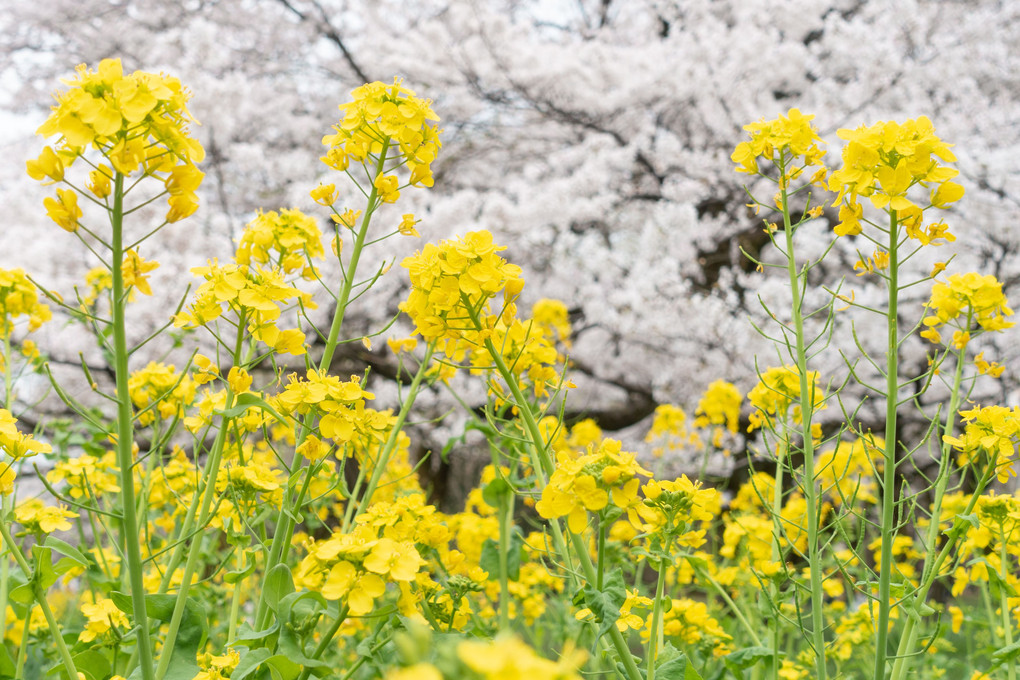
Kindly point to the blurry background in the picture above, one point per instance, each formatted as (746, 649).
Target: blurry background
(592, 137)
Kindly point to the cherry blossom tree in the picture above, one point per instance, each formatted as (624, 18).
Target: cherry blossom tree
(593, 137)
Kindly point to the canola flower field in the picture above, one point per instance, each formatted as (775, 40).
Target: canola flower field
(251, 515)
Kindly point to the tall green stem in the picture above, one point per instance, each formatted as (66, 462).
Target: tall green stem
(285, 524)
(908, 641)
(655, 637)
(807, 407)
(125, 437)
(889, 473)
(352, 266)
(196, 547)
(1007, 620)
(777, 516)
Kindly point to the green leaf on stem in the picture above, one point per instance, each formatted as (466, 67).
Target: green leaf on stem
(191, 636)
(279, 584)
(673, 664)
(94, 665)
(605, 604)
(515, 553)
(251, 660)
(746, 657)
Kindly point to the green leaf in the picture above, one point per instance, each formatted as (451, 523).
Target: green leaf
(301, 605)
(490, 556)
(291, 647)
(66, 549)
(1007, 653)
(251, 660)
(278, 585)
(282, 668)
(971, 519)
(22, 594)
(746, 657)
(191, 635)
(241, 574)
(7, 667)
(674, 665)
(495, 491)
(94, 665)
(246, 401)
(44, 574)
(605, 604)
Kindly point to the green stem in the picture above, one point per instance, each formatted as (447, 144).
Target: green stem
(986, 597)
(324, 643)
(19, 664)
(391, 441)
(911, 632)
(1007, 620)
(209, 471)
(729, 603)
(506, 522)
(655, 637)
(807, 407)
(601, 552)
(6, 502)
(889, 473)
(196, 547)
(235, 599)
(5, 565)
(352, 266)
(125, 436)
(777, 516)
(285, 524)
(40, 597)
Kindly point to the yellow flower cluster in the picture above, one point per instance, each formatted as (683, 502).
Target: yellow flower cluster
(340, 405)
(509, 658)
(355, 567)
(883, 162)
(993, 430)
(528, 350)
(778, 389)
(719, 406)
(159, 390)
(689, 622)
(590, 482)
(255, 295)
(847, 473)
(965, 299)
(671, 509)
(137, 121)
(15, 445)
(668, 428)
(791, 134)
(994, 537)
(37, 517)
(217, 666)
(294, 236)
(18, 297)
(553, 316)
(504, 658)
(86, 476)
(381, 115)
(451, 286)
(101, 618)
